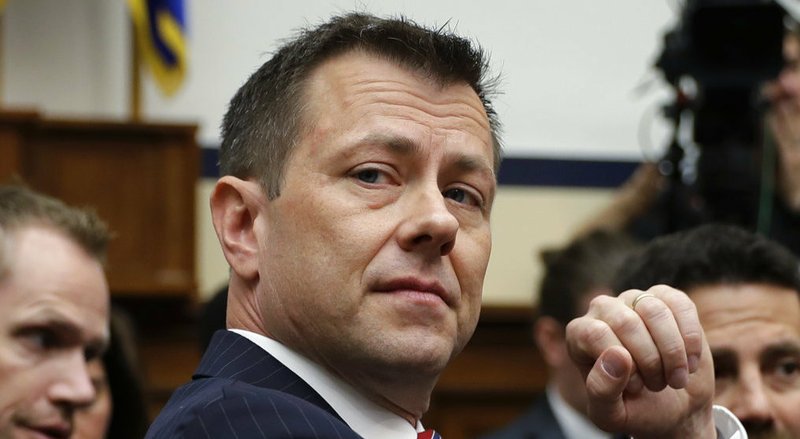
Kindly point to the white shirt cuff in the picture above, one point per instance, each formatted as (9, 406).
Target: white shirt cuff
(728, 425)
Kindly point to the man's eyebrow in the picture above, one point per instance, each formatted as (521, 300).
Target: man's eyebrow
(723, 356)
(66, 327)
(472, 163)
(781, 349)
(398, 144)
(54, 319)
(402, 145)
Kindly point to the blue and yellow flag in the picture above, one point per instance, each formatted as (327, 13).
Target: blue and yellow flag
(161, 33)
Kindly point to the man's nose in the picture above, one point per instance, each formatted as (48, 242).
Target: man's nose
(428, 224)
(72, 385)
(751, 403)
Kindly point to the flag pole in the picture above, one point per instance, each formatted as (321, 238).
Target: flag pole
(135, 91)
(2, 56)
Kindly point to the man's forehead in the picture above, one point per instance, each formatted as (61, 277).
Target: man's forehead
(742, 297)
(54, 282)
(381, 104)
(341, 75)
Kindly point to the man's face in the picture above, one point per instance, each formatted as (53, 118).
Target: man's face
(754, 334)
(376, 249)
(785, 89)
(53, 315)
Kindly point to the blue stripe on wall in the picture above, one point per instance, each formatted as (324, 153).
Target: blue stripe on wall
(209, 157)
(564, 173)
(520, 171)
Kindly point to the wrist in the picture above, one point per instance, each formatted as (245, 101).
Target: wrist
(700, 424)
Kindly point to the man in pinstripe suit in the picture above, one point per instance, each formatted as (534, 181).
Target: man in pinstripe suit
(359, 173)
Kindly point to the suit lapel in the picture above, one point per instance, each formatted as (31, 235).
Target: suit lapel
(229, 355)
(542, 422)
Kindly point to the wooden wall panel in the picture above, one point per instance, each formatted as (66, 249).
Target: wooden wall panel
(15, 128)
(141, 178)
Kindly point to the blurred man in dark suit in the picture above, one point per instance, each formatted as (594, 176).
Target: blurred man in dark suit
(573, 276)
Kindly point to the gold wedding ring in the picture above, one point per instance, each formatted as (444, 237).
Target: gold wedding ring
(639, 298)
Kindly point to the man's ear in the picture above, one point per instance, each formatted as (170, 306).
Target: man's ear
(235, 206)
(550, 337)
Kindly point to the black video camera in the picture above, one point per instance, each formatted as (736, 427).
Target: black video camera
(729, 48)
(725, 50)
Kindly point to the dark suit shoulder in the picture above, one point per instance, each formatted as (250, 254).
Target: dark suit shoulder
(537, 423)
(223, 408)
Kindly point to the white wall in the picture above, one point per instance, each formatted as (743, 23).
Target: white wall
(66, 58)
(569, 68)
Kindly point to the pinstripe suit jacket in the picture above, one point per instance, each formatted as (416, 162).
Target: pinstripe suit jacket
(240, 391)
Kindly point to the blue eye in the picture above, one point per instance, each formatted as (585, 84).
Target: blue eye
(458, 195)
(461, 196)
(368, 175)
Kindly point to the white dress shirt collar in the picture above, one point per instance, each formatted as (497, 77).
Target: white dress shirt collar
(368, 419)
(573, 424)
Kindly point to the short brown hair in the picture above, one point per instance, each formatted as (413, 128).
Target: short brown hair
(708, 255)
(264, 118)
(21, 206)
(574, 271)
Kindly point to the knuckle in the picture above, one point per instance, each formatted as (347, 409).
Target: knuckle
(601, 301)
(675, 352)
(665, 291)
(650, 365)
(632, 293)
(654, 311)
(627, 322)
(681, 303)
(586, 338)
(693, 339)
(595, 331)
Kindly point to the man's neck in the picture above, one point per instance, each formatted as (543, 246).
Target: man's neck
(364, 414)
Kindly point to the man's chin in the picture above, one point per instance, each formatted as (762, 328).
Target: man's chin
(426, 356)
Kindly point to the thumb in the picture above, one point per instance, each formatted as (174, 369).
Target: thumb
(605, 385)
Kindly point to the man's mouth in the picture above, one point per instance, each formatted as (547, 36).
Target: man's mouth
(57, 430)
(416, 285)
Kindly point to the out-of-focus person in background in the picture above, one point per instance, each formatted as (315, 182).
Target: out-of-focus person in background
(784, 120)
(747, 292)
(734, 156)
(54, 308)
(212, 316)
(118, 410)
(573, 276)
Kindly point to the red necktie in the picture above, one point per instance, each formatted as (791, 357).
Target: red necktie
(429, 434)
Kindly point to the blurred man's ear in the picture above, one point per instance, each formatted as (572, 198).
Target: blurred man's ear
(235, 207)
(549, 335)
